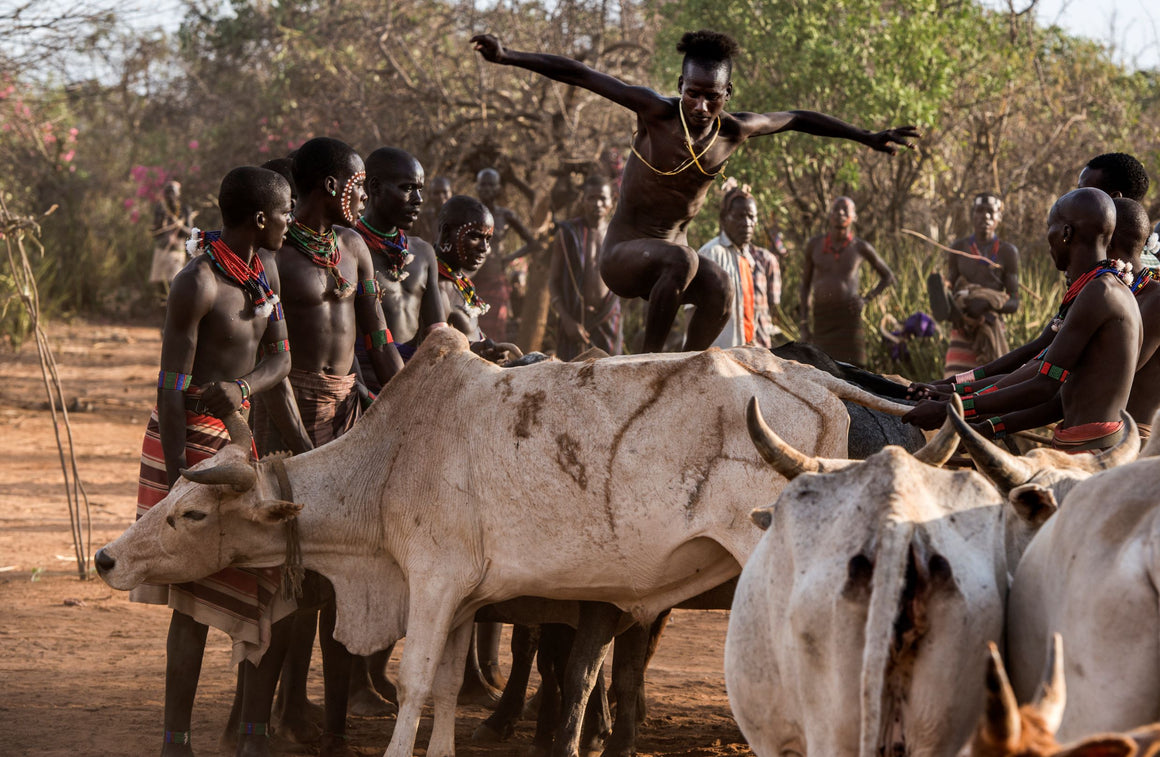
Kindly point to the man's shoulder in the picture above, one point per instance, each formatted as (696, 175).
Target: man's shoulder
(197, 272)
(418, 246)
(962, 243)
(713, 248)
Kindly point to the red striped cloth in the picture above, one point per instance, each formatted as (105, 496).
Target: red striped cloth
(242, 602)
(1088, 437)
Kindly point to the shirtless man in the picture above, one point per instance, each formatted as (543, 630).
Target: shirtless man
(681, 145)
(439, 192)
(492, 278)
(589, 314)
(1114, 174)
(324, 268)
(831, 275)
(1092, 359)
(222, 313)
(406, 272)
(465, 230)
(983, 288)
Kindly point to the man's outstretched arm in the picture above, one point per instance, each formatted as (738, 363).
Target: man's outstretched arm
(640, 100)
(822, 125)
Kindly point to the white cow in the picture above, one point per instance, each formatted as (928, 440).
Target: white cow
(865, 605)
(626, 480)
(1092, 574)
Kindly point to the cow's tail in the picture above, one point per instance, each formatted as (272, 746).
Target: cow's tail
(887, 587)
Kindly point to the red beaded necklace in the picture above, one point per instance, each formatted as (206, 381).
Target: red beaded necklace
(993, 255)
(393, 247)
(836, 252)
(323, 251)
(251, 277)
(475, 306)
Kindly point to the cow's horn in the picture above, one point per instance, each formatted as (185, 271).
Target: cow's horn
(1005, 470)
(239, 430)
(1001, 725)
(939, 449)
(785, 459)
(236, 473)
(1052, 695)
(1126, 450)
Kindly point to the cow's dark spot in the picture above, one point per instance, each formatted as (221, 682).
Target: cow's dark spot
(859, 572)
(505, 387)
(528, 413)
(568, 458)
(586, 376)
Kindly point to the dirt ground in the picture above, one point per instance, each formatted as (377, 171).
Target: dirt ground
(81, 669)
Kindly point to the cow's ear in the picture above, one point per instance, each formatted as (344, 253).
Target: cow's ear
(1101, 746)
(273, 511)
(1034, 503)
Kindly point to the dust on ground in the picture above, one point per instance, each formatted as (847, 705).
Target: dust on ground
(82, 669)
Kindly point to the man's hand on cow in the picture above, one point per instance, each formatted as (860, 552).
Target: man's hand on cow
(920, 391)
(488, 350)
(927, 415)
(574, 329)
(221, 397)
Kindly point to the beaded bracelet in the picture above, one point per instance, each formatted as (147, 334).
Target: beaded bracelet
(177, 737)
(245, 387)
(998, 428)
(969, 410)
(368, 288)
(174, 380)
(1053, 372)
(273, 348)
(379, 338)
(988, 390)
(964, 389)
(974, 375)
(252, 729)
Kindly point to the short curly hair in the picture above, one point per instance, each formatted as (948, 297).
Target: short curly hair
(706, 46)
(1123, 173)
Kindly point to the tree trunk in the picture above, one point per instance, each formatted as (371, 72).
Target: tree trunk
(534, 311)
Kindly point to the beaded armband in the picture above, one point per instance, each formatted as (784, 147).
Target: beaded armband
(252, 729)
(1053, 371)
(965, 376)
(969, 410)
(174, 380)
(379, 338)
(245, 387)
(964, 389)
(369, 288)
(273, 348)
(177, 737)
(998, 428)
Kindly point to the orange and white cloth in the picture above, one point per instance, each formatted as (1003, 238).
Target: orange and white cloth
(738, 266)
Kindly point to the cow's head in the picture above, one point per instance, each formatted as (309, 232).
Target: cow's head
(223, 511)
(1007, 730)
(1036, 482)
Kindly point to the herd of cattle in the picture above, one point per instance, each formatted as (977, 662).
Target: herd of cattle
(868, 591)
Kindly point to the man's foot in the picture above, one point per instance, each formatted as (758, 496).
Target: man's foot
(367, 703)
(252, 746)
(177, 750)
(940, 301)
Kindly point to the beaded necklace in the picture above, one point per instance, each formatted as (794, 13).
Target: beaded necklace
(827, 247)
(1141, 281)
(474, 305)
(694, 158)
(993, 255)
(1104, 266)
(323, 251)
(393, 247)
(251, 278)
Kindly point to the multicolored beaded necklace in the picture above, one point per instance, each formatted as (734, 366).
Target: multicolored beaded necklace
(1141, 281)
(393, 247)
(828, 247)
(993, 255)
(323, 251)
(475, 306)
(1104, 266)
(251, 278)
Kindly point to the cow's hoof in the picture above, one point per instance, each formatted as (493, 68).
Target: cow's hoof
(536, 750)
(492, 676)
(386, 689)
(297, 731)
(335, 745)
(532, 707)
(366, 703)
(485, 734)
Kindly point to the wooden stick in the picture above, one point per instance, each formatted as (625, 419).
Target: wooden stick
(969, 255)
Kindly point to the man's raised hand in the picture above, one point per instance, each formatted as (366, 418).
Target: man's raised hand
(489, 47)
(887, 141)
